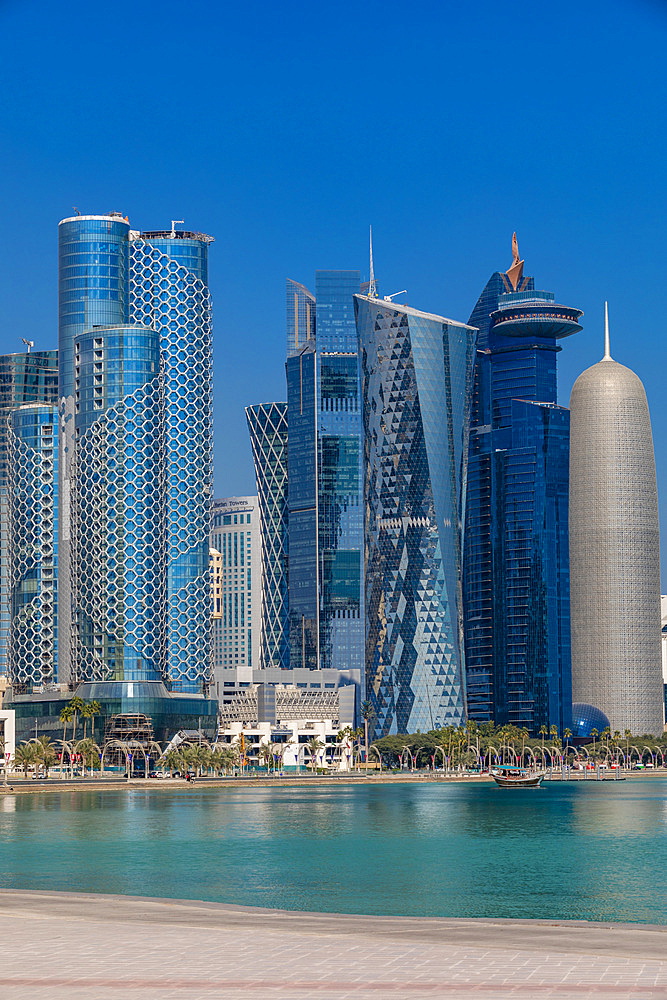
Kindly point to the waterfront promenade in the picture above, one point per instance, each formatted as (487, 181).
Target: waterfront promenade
(66, 946)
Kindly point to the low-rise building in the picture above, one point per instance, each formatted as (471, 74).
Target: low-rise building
(285, 727)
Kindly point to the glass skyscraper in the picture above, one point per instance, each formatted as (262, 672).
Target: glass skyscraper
(417, 372)
(134, 471)
(267, 424)
(516, 569)
(169, 292)
(24, 378)
(326, 600)
(33, 552)
(117, 507)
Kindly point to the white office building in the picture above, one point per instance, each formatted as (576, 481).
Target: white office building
(235, 626)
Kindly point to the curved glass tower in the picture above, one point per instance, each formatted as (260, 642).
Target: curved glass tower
(417, 372)
(267, 423)
(33, 557)
(93, 290)
(117, 506)
(615, 550)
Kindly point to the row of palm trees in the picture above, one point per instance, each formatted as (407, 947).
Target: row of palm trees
(474, 743)
(202, 759)
(76, 707)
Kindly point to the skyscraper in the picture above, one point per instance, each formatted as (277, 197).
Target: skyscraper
(417, 371)
(326, 601)
(134, 471)
(31, 377)
(236, 634)
(267, 424)
(516, 572)
(614, 548)
(33, 549)
(169, 292)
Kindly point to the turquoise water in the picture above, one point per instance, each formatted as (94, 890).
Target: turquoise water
(595, 850)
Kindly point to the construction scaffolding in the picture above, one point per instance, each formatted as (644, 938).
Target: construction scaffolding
(135, 728)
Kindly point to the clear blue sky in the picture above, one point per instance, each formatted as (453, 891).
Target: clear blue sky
(284, 129)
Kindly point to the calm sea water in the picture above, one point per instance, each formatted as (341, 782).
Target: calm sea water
(594, 851)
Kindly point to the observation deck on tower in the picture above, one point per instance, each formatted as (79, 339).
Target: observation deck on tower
(531, 313)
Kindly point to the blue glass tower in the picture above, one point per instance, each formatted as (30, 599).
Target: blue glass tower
(516, 568)
(134, 470)
(326, 600)
(93, 290)
(24, 378)
(169, 292)
(417, 372)
(117, 507)
(33, 551)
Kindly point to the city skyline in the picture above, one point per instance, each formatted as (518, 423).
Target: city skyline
(586, 208)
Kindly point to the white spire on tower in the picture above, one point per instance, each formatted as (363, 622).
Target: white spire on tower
(606, 332)
(372, 287)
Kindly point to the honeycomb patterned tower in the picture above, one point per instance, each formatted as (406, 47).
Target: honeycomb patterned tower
(117, 507)
(33, 527)
(169, 292)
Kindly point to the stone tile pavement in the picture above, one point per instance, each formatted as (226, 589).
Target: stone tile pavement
(67, 946)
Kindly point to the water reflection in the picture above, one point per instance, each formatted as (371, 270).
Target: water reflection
(591, 851)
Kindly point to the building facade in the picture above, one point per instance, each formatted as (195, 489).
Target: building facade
(615, 550)
(516, 565)
(235, 534)
(326, 596)
(169, 292)
(267, 424)
(417, 372)
(134, 471)
(33, 549)
(24, 378)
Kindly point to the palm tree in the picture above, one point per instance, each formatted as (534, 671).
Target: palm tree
(171, 761)
(66, 714)
(314, 744)
(543, 733)
(367, 712)
(266, 756)
(594, 733)
(4, 762)
(567, 733)
(77, 704)
(26, 756)
(46, 753)
(89, 711)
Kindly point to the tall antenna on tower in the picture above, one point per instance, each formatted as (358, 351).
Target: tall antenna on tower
(372, 287)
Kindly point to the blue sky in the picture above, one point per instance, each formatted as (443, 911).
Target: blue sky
(285, 129)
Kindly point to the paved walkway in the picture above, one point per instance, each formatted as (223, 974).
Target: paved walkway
(67, 946)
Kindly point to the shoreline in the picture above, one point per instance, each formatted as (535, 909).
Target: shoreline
(22, 786)
(25, 787)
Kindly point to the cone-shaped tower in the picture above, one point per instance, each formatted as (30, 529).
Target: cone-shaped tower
(614, 549)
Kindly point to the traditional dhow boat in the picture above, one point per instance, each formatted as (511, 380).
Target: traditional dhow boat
(507, 776)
